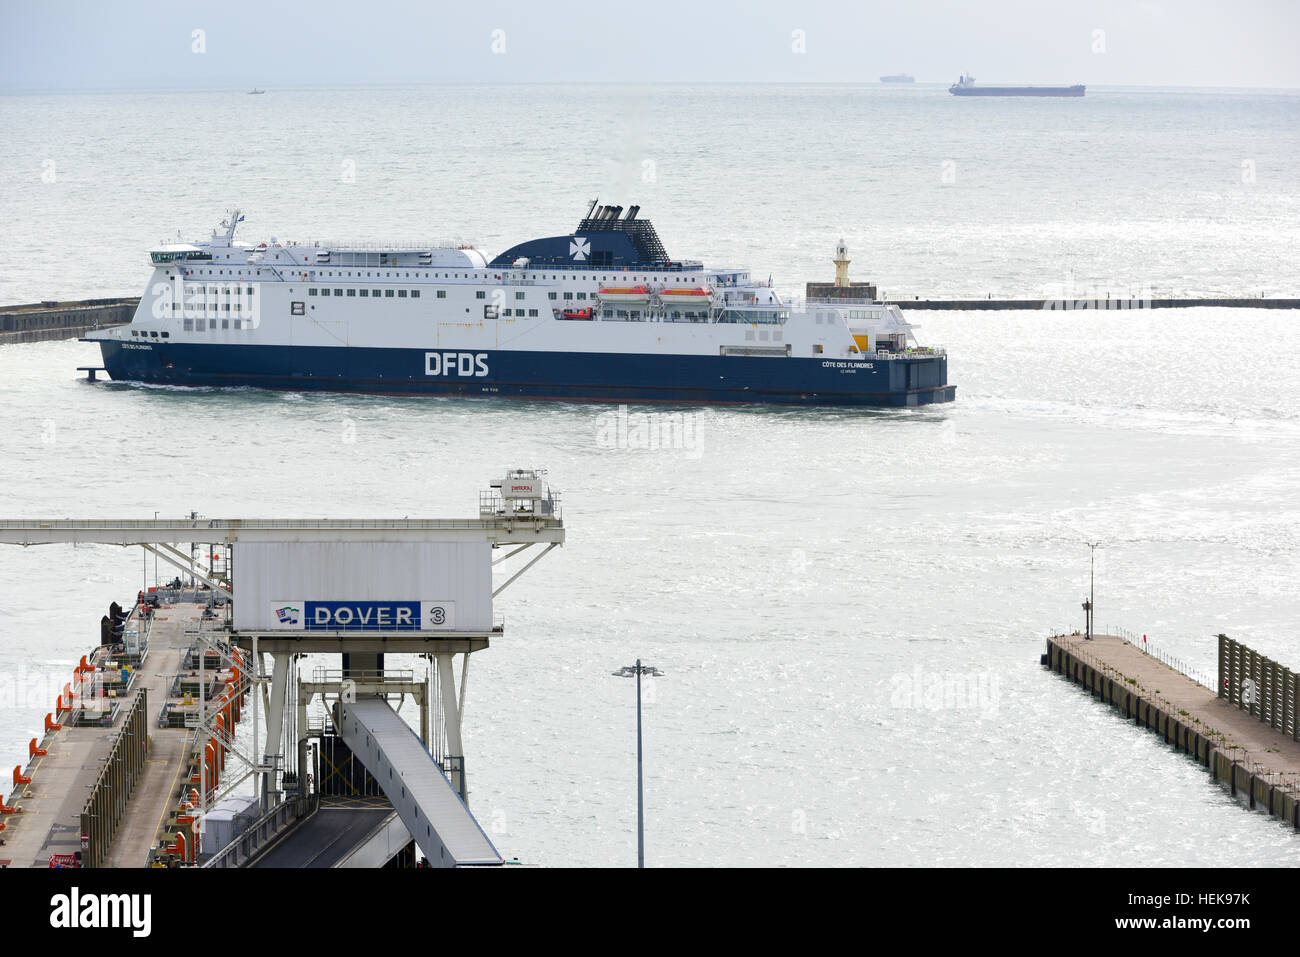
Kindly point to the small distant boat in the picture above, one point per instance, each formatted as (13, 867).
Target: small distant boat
(255, 91)
(898, 78)
(965, 86)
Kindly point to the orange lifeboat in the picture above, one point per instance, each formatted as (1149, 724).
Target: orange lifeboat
(697, 296)
(624, 294)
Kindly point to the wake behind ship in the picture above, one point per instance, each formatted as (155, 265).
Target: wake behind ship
(602, 313)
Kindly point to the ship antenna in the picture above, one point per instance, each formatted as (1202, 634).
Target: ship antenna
(235, 217)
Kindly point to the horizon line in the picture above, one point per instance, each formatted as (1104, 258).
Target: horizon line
(173, 88)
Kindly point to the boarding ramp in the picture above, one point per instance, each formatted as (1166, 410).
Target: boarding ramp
(338, 837)
(434, 814)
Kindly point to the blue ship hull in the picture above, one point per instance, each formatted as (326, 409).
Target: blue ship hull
(908, 381)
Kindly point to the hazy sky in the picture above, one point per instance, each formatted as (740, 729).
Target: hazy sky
(132, 44)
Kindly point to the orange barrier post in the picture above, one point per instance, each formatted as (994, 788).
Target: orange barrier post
(218, 739)
(33, 751)
(232, 692)
(50, 725)
(19, 777)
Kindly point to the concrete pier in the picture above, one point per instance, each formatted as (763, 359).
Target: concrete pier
(1254, 761)
(42, 321)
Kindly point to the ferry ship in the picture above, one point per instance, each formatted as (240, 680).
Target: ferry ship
(603, 313)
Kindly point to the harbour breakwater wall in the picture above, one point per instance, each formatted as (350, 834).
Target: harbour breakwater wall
(1255, 760)
(42, 321)
(1100, 305)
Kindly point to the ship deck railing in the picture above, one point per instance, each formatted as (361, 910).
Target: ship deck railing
(916, 352)
(619, 271)
(837, 301)
(393, 676)
(377, 245)
(288, 524)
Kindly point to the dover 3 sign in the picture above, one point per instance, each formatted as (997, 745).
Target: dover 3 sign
(412, 615)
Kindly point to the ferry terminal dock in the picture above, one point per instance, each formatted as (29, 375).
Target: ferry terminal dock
(144, 755)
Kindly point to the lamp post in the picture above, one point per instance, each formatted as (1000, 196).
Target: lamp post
(1092, 583)
(628, 671)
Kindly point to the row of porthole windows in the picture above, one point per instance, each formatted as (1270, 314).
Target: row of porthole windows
(677, 279)
(370, 293)
(210, 325)
(438, 275)
(528, 275)
(341, 273)
(191, 289)
(208, 307)
(195, 325)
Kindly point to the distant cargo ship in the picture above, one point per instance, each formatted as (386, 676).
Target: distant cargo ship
(965, 86)
(898, 78)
